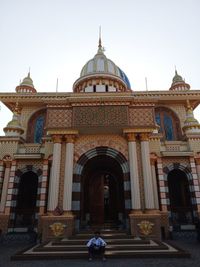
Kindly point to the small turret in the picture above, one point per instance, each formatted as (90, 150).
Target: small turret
(191, 125)
(14, 127)
(178, 84)
(26, 86)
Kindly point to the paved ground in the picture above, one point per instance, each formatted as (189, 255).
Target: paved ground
(6, 250)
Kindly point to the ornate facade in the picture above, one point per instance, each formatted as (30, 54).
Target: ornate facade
(101, 156)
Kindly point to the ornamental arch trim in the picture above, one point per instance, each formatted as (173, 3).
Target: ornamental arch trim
(113, 153)
(78, 169)
(15, 190)
(188, 172)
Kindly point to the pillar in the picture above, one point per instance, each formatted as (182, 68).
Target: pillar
(154, 181)
(134, 176)
(55, 174)
(68, 178)
(146, 169)
(5, 185)
(197, 161)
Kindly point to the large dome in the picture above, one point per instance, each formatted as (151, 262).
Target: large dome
(102, 67)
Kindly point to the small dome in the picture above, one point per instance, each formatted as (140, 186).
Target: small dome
(177, 78)
(178, 84)
(27, 81)
(26, 86)
(14, 127)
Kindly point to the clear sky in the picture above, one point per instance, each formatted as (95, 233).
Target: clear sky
(55, 38)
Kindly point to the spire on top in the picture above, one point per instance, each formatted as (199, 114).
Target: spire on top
(100, 48)
(29, 71)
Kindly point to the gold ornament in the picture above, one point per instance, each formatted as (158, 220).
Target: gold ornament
(146, 227)
(57, 228)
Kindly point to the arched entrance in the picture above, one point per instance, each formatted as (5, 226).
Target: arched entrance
(26, 200)
(180, 198)
(102, 199)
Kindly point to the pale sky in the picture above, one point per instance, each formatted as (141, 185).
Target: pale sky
(55, 38)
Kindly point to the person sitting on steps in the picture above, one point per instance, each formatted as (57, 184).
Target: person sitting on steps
(96, 246)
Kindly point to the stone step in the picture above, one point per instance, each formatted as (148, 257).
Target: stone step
(118, 245)
(108, 241)
(108, 248)
(104, 236)
(170, 253)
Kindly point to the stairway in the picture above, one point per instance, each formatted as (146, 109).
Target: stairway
(119, 244)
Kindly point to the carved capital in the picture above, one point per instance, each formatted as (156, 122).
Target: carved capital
(153, 161)
(7, 161)
(57, 138)
(70, 138)
(131, 137)
(144, 136)
(153, 158)
(8, 164)
(197, 161)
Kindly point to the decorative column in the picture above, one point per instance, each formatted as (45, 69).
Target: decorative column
(154, 181)
(197, 161)
(196, 188)
(1, 176)
(55, 174)
(68, 178)
(5, 185)
(43, 186)
(146, 168)
(134, 176)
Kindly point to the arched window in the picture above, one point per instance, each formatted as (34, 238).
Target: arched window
(36, 125)
(169, 124)
(39, 127)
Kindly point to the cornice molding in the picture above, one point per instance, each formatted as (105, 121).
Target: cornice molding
(140, 98)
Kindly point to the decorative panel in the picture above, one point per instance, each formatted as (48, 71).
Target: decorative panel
(61, 118)
(141, 117)
(100, 116)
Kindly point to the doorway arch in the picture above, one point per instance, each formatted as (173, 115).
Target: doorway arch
(102, 199)
(26, 200)
(180, 197)
(107, 167)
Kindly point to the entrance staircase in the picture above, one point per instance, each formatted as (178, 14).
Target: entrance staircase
(119, 244)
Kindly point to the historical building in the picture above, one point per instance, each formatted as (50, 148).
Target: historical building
(100, 156)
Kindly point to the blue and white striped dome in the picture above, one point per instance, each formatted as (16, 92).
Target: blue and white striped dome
(100, 64)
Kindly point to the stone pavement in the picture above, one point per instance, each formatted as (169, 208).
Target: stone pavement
(6, 250)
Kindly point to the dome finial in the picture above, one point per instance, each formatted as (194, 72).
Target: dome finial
(100, 36)
(29, 71)
(100, 48)
(176, 73)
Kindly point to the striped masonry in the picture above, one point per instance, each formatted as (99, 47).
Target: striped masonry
(42, 187)
(1, 176)
(79, 166)
(188, 170)
(163, 187)
(13, 189)
(195, 185)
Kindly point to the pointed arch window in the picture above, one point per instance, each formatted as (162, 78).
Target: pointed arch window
(169, 124)
(36, 127)
(39, 128)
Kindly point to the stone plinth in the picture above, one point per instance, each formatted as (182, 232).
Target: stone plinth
(146, 225)
(4, 219)
(165, 223)
(53, 227)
